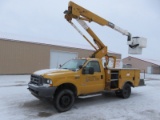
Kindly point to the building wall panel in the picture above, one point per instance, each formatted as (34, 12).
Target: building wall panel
(156, 69)
(17, 57)
(140, 64)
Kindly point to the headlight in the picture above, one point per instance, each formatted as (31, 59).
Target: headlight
(47, 82)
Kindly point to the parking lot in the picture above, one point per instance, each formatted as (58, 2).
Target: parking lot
(17, 103)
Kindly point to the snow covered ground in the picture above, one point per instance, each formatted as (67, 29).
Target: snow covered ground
(17, 103)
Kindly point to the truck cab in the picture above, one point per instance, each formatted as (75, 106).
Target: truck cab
(86, 75)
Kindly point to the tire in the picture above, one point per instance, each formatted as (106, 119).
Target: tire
(64, 100)
(125, 92)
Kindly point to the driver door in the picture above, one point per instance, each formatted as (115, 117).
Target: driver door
(92, 83)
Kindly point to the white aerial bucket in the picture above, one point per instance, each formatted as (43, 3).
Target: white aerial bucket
(136, 45)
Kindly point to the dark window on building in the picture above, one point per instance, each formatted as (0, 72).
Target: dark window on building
(127, 66)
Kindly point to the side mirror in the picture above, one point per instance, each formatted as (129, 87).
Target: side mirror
(91, 70)
(84, 70)
(60, 66)
(80, 66)
(88, 70)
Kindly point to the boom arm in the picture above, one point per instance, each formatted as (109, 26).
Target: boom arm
(81, 15)
(76, 11)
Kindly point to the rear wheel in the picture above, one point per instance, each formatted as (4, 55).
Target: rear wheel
(125, 92)
(64, 100)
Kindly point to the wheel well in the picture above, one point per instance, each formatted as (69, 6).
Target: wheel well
(69, 86)
(130, 83)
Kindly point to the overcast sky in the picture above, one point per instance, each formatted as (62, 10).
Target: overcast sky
(45, 19)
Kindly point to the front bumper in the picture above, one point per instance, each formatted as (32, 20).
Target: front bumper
(41, 91)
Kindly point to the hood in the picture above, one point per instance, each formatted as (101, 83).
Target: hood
(51, 71)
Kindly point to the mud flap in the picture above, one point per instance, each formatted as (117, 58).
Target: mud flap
(141, 82)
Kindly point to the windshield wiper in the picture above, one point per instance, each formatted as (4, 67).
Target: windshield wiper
(64, 68)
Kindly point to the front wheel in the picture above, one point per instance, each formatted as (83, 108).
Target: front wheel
(64, 100)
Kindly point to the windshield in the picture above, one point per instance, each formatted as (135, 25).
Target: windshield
(73, 64)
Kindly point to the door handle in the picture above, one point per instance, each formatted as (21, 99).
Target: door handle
(101, 76)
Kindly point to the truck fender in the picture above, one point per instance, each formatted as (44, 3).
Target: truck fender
(69, 86)
(128, 82)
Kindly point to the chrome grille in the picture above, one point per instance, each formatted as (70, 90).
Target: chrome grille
(36, 79)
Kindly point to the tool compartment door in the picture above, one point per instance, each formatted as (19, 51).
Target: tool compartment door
(126, 75)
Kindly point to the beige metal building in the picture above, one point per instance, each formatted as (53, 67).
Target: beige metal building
(19, 57)
(149, 65)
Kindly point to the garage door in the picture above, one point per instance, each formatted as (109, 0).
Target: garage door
(60, 57)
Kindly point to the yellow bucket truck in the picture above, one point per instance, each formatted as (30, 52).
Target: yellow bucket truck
(86, 76)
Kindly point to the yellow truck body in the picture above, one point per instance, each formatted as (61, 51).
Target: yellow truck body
(85, 77)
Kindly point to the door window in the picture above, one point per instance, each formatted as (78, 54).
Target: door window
(95, 65)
